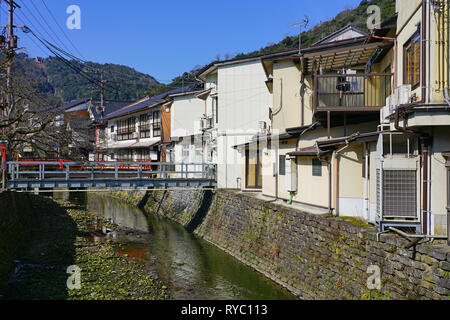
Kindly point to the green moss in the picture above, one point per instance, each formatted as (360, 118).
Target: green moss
(359, 222)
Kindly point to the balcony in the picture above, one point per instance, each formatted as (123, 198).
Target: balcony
(359, 92)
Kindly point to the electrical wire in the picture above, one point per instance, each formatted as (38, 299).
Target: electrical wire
(62, 30)
(46, 23)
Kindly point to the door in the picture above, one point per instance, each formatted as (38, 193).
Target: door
(253, 168)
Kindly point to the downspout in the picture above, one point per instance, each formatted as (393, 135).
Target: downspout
(366, 182)
(336, 173)
(302, 93)
(330, 209)
(425, 187)
(395, 55)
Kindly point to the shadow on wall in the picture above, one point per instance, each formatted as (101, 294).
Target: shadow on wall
(38, 267)
(202, 211)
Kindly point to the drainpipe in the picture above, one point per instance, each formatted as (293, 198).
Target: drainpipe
(330, 193)
(395, 55)
(366, 182)
(302, 93)
(336, 172)
(425, 187)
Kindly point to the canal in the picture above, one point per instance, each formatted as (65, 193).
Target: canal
(190, 267)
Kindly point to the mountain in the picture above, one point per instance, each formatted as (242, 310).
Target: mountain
(53, 76)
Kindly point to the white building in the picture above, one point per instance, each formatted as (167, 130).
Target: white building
(186, 135)
(134, 132)
(237, 108)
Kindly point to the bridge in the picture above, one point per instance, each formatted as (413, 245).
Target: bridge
(28, 174)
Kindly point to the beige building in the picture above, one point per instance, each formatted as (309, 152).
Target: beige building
(418, 113)
(360, 122)
(321, 99)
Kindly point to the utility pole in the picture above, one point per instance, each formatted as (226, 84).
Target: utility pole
(11, 45)
(102, 94)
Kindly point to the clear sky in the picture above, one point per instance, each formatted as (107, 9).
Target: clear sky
(165, 38)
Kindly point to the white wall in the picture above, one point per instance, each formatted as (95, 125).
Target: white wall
(186, 112)
(243, 101)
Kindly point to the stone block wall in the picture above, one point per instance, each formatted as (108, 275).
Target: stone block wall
(16, 220)
(314, 256)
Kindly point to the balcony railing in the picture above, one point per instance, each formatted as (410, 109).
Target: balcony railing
(351, 92)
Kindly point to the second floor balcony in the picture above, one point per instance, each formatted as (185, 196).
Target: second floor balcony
(357, 92)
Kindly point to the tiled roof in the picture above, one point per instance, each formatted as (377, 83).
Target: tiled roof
(150, 101)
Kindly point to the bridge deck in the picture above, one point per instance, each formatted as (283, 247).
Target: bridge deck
(65, 174)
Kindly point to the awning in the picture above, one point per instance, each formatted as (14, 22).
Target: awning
(146, 143)
(308, 152)
(349, 56)
(267, 138)
(324, 147)
(204, 94)
(121, 145)
(446, 155)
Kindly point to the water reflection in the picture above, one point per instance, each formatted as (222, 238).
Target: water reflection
(192, 268)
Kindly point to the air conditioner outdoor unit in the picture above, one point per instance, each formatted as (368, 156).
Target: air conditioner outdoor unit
(135, 135)
(114, 137)
(403, 94)
(262, 127)
(206, 123)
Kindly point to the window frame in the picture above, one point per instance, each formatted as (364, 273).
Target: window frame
(282, 165)
(408, 77)
(316, 163)
(156, 123)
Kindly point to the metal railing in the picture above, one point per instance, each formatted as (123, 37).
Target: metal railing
(106, 170)
(347, 91)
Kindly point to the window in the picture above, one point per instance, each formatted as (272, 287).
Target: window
(217, 109)
(112, 129)
(411, 60)
(144, 126)
(126, 128)
(156, 124)
(282, 165)
(125, 155)
(316, 168)
(387, 82)
(143, 155)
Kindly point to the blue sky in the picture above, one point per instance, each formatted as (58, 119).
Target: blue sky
(165, 38)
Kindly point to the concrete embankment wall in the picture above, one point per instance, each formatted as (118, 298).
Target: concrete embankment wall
(315, 257)
(16, 221)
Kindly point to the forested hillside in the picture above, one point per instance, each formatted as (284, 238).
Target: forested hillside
(124, 83)
(55, 77)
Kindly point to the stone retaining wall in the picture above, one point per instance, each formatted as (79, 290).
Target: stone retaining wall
(314, 256)
(16, 220)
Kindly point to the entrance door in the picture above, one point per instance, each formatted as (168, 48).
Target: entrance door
(253, 168)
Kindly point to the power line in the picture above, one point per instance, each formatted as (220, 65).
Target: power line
(38, 21)
(62, 30)
(45, 21)
(71, 65)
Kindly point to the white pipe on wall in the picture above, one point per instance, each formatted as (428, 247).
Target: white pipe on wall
(366, 187)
